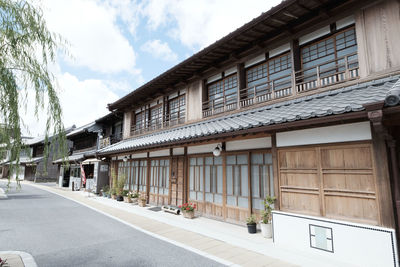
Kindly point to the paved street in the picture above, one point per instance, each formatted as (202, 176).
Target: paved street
(60, 232)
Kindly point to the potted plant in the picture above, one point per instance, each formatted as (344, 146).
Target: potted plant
(251, 224)
(134, 197)
(265, 224)
(120, 187)
(113, 193)
(188, 210)
(105, 190)
(126, 195)
(142, 200)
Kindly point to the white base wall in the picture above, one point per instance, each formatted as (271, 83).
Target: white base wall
(350, 243)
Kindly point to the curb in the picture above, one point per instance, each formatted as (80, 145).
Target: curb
(27, 259)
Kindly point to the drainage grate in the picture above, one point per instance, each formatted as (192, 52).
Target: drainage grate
(155, 209)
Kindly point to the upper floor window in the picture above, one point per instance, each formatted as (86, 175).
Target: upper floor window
(222, 96)
(141, 120)
(177, 110)
(271, 79)
(156, 117)
(328, 61)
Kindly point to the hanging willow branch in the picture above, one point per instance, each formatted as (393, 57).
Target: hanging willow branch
(27, 48)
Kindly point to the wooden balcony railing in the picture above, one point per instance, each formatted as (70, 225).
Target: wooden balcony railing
(267, 91)
(158, 123)
(328, 73)
(220, 104)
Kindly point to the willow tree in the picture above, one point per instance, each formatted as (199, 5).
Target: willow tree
(27, 48)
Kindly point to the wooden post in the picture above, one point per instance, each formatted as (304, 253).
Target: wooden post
(223, 155)
(384, 193)
(185, 186)
(241, 77)
(275, 171)
(148, 176)
(249, 182)
(296, 62)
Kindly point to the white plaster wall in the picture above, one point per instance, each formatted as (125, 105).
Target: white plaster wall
(314, 35)
(178, 151)
(256, 143)
(331, 134)
(159, 153)
(355, 244)
(126, 125)
(139, 155)
(202, 149)
(193, 104)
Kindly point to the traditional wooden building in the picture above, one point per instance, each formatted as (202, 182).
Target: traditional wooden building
(84, 142)
(292, 105)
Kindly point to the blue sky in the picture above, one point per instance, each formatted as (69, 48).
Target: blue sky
(117, 45)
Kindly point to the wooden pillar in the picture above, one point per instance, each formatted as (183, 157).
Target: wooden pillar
(249, 182)
(241, 78)
(275, 171)
(223, 155)
(185, 176)
(296, 62)
(148, 177)
(384, 193)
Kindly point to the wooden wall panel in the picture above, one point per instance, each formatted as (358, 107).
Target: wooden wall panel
(336, 181)
(378, 37)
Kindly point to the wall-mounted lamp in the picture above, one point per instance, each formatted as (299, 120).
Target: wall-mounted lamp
(103, 158)
(217, 150)
(125, 159)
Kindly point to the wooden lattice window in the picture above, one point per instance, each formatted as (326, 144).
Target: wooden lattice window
(159, 176)
(261, 178)
(177, 109)
(277, 68)
(224, 90)
(237, 187)
(156, 117)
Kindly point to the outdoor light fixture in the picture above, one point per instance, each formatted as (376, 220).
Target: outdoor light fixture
(125, 159)
(103, 158)
(217, 150)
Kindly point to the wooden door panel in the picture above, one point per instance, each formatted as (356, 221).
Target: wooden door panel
(349, 182)
(303, 202)
(295, 179)
(337, 181)
(303, 159)
(359, 209)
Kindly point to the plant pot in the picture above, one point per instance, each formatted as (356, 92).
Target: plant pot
(252, 228)
(108, 196)
(120, 198)
(127, 200)
(142, 202)
(134, 200)
(266, 229)
(188, 214)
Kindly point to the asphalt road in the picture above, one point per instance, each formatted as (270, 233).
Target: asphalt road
(60, 232)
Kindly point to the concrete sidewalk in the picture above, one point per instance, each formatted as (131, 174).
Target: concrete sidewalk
(227, 243)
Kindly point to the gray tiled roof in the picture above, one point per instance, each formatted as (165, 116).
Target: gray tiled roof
(76, 156)
(338, 101)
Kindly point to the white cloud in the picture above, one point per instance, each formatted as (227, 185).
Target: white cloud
(95, 39)
(82, 102)
(159, 50)
(200, 23)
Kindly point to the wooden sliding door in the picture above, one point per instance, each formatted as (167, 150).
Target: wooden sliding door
(159, 181)
(335, 181)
